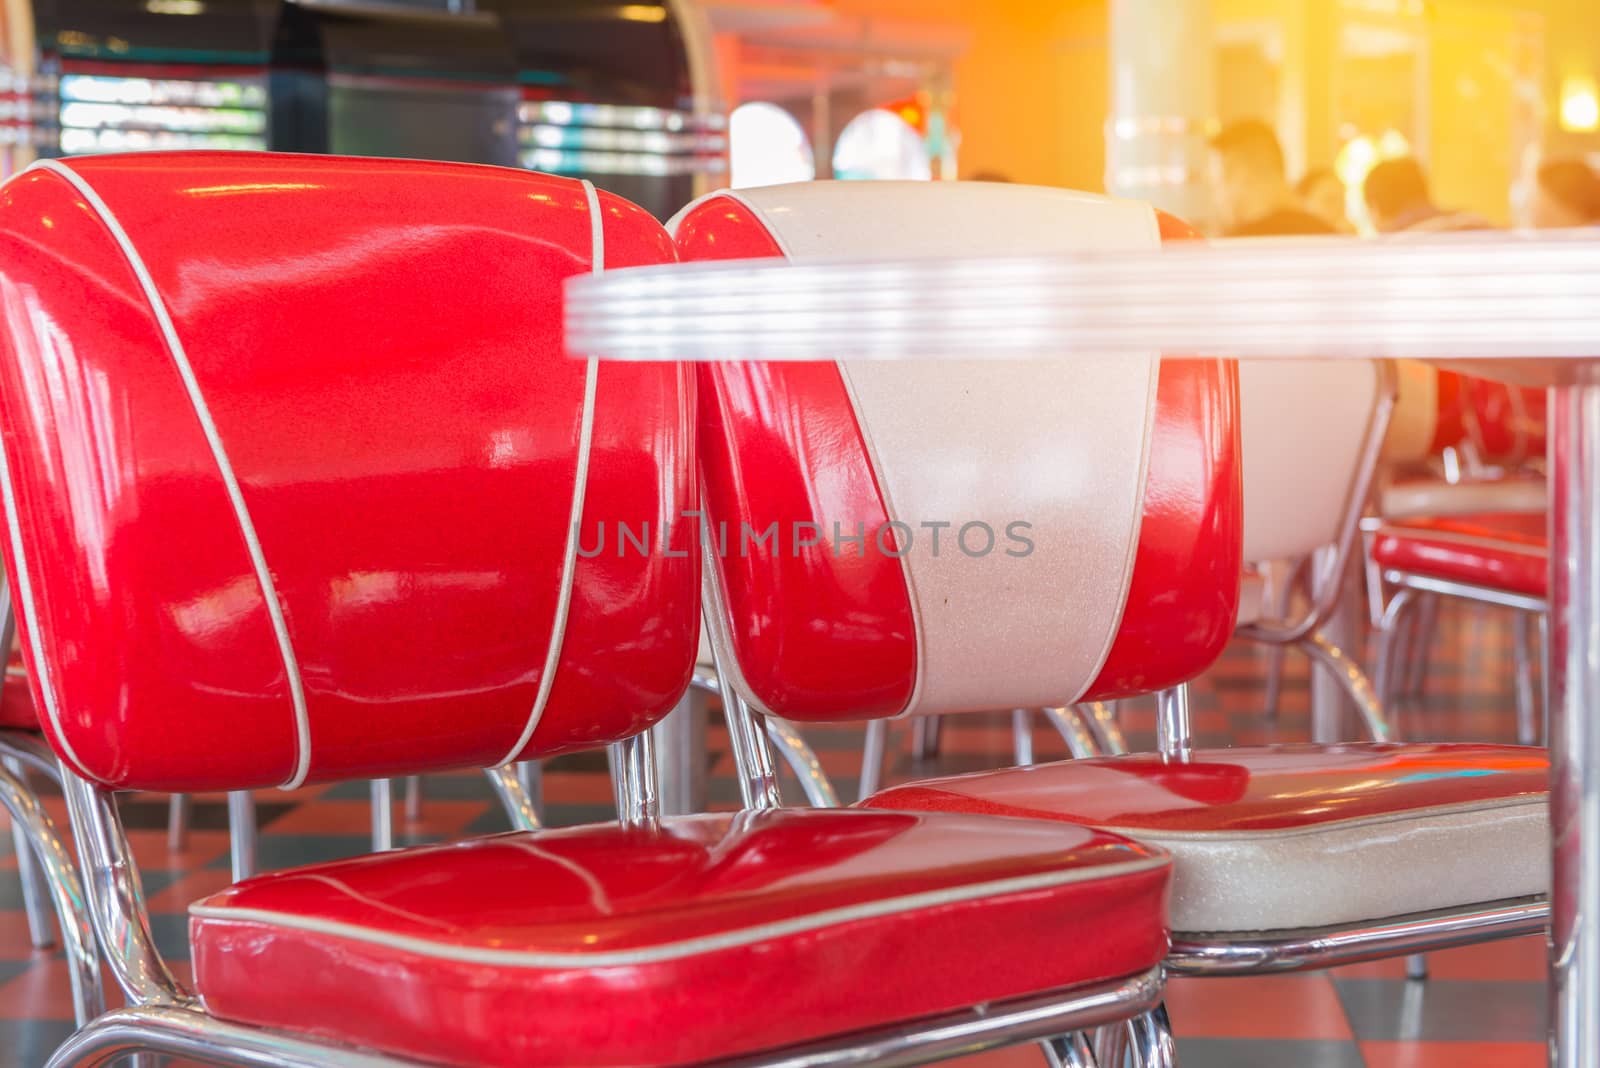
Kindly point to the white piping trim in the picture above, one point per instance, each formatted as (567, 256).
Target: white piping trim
(1156, 835)
(569, 562)
(269, 592)
(689, 947)
(23, 595)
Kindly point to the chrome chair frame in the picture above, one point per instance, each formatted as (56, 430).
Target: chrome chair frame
(1326, 581)
(1398, 654)
(166, 1018)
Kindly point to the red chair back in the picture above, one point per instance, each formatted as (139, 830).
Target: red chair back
(1089, 513)
(295, 467)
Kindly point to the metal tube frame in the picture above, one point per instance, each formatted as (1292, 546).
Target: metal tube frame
(1266, 952)
(633, 773)
(1074, 729)
(44, 847)
(1574, 730)
(186, 1031)
(803, 761)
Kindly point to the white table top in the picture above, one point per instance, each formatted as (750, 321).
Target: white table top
(1509, 305)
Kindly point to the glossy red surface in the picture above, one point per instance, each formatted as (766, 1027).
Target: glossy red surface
(378, 344)
(1451, 427)
(1506, 422)
(1183, 596)
(1227, 791)
(603, 890)
(624, 659)
(1503, 551)
(762, 464)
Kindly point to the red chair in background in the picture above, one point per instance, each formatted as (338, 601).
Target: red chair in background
(1478, 538)
(1286, 857)
(343, 382)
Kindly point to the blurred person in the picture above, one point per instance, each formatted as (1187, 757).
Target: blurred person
(1566, 193)
(1254, 198)
(1322, 194)
(1397, 199)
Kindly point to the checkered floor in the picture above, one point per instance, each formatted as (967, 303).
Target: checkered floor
(1483, 1007)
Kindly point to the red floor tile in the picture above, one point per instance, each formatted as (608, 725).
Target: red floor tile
(1454, 1054)
(1300, 1006)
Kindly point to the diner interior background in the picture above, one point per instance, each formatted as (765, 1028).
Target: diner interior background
(1117, 95)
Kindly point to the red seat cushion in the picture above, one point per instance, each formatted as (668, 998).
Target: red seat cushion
(716, 936)
(1283, 837)
(1499, 550)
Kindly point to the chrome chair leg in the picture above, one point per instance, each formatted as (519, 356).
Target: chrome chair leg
(1353, 680)
(39, 841)
(1279, 594)
(510, 784)
(926, 734)
(242, 833)
(1102, 719)
(530, 774)
(182, 1032)
(1071, 724)
(1152, 1039)
(413, 795)
(803, 761)
(873, 752)
(35, 887)
(382, 815)
(1426, 623)
(1391, 642)
(1022, 736)
(1417, 966)
(1111, 1044)
(1527, 712)
(1544, 676)
(180, 811)
(1069, 1051)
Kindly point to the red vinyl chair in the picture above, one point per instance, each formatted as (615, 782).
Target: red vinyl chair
(1480, 538)
(1286, 857)
(310, 419)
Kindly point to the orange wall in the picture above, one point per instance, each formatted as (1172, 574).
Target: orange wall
(1033, 89)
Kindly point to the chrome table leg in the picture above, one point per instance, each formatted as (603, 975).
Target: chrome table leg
(1574, 736)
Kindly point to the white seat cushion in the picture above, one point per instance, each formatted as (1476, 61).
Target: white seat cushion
(1294, 837)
